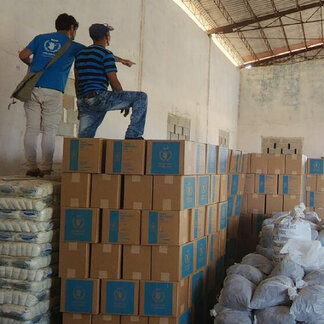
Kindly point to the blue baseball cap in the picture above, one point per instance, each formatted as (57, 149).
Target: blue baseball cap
(98, 31)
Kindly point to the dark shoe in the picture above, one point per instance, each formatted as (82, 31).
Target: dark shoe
(33, 172)
(134, 138)
(43, 173)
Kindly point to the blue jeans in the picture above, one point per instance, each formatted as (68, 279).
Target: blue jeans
(92, 111)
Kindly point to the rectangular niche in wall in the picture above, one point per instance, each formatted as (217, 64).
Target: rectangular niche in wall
(178, 128)
(223, 138)
(282, 145)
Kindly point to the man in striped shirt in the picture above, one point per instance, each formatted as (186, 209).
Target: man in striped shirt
(95, 70)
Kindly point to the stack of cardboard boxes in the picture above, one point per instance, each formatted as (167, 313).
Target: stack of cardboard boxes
(274, 183)
(143, 230)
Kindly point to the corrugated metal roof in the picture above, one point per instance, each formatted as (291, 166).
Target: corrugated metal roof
(262, 32)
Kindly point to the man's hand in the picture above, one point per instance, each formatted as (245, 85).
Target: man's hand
(128, 63)
(125, 111)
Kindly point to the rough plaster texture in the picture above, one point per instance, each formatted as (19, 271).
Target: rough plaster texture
(182, 71)
(282, 101)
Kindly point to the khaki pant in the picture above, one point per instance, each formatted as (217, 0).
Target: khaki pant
(43, 114)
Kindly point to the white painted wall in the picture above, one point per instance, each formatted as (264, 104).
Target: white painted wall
(285, 100)
(182, 71)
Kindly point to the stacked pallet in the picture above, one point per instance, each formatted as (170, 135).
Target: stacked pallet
(143, 232)
(29, 290)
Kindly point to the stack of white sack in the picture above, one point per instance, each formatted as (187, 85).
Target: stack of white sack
(285, 289)
(29, 235)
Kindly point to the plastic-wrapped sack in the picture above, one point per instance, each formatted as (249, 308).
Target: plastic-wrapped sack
(237, 292)
(289, 227)
(308, 306)
(258, 261)
(274, 315)
(272, 292)
(266, 236)
(320, 237)
(289, 269)
(308, 254)
(312, 217)
(266, 252)
(247, 271)
(314, 235)
(231, 316)
(315, 277)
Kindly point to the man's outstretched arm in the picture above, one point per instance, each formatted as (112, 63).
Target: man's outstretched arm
(128, 63)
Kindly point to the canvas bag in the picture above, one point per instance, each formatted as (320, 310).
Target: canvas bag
(24, 88)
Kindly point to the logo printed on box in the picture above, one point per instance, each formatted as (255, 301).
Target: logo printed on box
(201, 253)
(78, 296)
(316, 166)
(189, 185)
(165, 157)
(78, 225)
(187, 260)
(120, 297)
(158, 298)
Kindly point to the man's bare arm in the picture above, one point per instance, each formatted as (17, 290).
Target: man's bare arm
(25, 56)
(128, 63)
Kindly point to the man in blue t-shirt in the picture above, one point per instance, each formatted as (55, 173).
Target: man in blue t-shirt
(95, 70)
(44, 110)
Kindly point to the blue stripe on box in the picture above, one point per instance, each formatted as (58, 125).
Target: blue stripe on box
(235, 183)
(197, 287)
(223, 216)
(261, 183)
(237, 162)
(222, 160)
(201, 253)
(185, 318)
(210, 219)
(196, 223)
(203, 190)
(113, 226)
(189, 192)
(312, 199)
(243, 162)
(211, 162)
(238, 205)
(230, 206)
(74, 155)
(153, 227)
(117, 156)
(285, 185)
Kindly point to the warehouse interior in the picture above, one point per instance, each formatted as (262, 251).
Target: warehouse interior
(235, 91)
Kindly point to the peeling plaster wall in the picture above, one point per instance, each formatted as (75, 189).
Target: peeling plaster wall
(179, 67)
(282, 101)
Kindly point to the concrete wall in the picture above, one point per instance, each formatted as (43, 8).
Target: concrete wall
(182, 71)
(285, 100)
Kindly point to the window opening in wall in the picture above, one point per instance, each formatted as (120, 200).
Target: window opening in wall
(178, 127)
(223, 138)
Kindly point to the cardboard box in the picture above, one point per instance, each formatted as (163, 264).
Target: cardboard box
(105, 319)
(245, 226)
(292, 184)
(83, 155)
(165, 227)
(257, 220)
(230, 206)
(244, 206)
(296, 164)
(106, 191)
(222, 240)
(74, 260)
(171, 157)
(119, 297)
(249, 183)
(315, 199)
(274, 204)
(172, 263)
(259, 163)
(242, 178)
(238, 205)
(234, 183)
(311, 182)
(203, 190)
(75, 190)
(125, 157)
(196, 287)
(138, 192)
(164, 298)
(185, 318)
(319, 182)
(201, 253)
(223, 187)
(222, 160)
(222, 216)
(276, 164)
(315, 166)
(232, 227)
(214, 188)
(121, 226)
(211, 219)
(106, 261)
(211, 155)
(174, 192)
(74, 318)
(266, 184)
(197, 222)
(290, 201)
(80, 225)
(134, 320)
(200, 155)
(246, 159)
(80, 296)
(235, 161)
(137, 262)
(256, 204)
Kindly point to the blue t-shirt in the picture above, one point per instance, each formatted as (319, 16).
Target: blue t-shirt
(44, 47)
(92, 65)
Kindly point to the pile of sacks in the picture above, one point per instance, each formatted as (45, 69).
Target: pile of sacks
(29, 235)
(283, 281)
